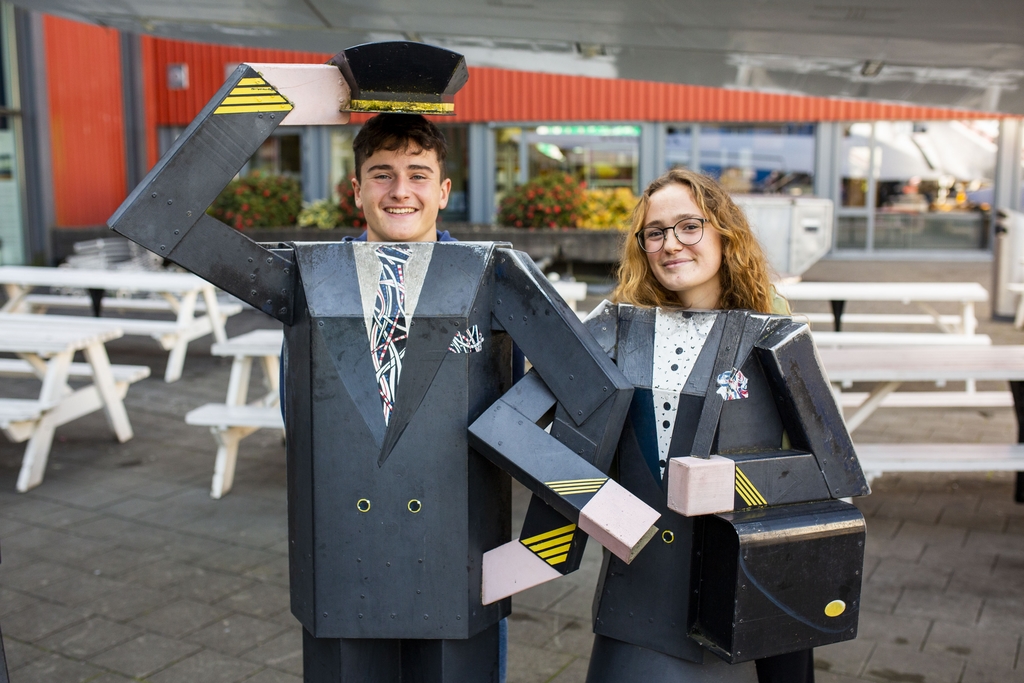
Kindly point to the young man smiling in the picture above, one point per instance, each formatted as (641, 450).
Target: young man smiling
(401, 182)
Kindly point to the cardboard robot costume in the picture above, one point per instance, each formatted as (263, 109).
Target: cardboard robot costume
(779, 568)
(392, 351)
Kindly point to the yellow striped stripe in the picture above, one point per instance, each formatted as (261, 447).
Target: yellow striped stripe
(558, 540)
(748, 492)
(568, 528)
(599, 480)
(560, 550)
(749, 497)
(570, 491)
(243, 109)
(254, 90)
(253, 99)
(557, 560)
(256, 80)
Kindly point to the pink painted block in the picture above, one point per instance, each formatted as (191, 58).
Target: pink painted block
(619, 521)
(511, 568)
(701, 487)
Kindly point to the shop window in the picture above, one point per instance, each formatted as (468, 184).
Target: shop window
(760, 159)
(678, 147)
(602, 155)
(343, 159)
(278, 155)
(457, 138)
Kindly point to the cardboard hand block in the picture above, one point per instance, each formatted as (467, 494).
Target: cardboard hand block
(510, 569)
(619, 521)
(698, 486)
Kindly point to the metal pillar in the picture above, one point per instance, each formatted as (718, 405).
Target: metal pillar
(481, 173)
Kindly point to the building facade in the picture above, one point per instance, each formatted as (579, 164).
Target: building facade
(87, 110)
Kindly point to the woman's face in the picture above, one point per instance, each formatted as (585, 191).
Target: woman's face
(691, 272)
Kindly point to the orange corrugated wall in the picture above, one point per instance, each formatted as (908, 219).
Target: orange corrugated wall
(86, 120)
(500, 95)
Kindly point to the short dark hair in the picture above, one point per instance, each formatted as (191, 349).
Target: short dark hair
(395, 132)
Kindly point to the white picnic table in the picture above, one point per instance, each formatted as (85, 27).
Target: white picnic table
(922, 294)
(46, 350)
(236, 418)
(180, 292)
(889, 367)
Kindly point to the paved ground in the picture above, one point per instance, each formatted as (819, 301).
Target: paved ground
(120, 567)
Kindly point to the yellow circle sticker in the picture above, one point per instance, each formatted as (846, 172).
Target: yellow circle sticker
(835, 608)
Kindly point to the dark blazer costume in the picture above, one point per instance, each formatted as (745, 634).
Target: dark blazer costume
(751, 583)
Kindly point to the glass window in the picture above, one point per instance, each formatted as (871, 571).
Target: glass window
(934, 181)
(279, 155)
(760, 159)
(457, 138)
(343, 159)
(678, 147)
(601, 155)
(506, 161)
(855, 158)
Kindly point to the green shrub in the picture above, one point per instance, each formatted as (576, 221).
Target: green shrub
(323, 214)
(348, 213)
(259, 200)
(608, 209)
(551, 200)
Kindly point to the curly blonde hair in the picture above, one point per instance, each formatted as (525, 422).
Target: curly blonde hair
(744, 273)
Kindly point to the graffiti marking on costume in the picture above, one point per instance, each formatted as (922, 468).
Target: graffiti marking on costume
(469, 341)
(732, 385)
(389, 330)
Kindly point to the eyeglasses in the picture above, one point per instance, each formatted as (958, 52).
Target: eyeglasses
(688, 232)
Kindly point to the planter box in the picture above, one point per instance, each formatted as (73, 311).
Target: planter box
(550, 245)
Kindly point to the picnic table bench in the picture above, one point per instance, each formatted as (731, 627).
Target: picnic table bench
(235, 419)
(180, 292)
(889, 367)
(923, 294)
(46, 350)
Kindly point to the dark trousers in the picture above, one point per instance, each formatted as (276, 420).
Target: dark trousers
(350, 660)
(795, 667)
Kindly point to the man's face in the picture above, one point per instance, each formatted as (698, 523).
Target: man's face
(400, 194)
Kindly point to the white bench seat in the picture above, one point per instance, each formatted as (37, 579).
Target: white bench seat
(835, 339)
(14, 367)
(13, 410)
(933, 399)
(223, 416)
(951, 321)
(876, 459)
(111, 303)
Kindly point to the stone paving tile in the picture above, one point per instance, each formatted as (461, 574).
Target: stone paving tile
(53, 668)
(895, 572)
(258, 600)
(211, 587)
(847, 658)
(20, 654)
(144, 655)
(888, 663)
(128, 602)
(553, 632)
(994, 646)
(273, 676)
(962, 609)
(208, 667)
(235, 634)
(977, 672)
(535, 665)
(892, 630)
(180, 617)
(40, 620)
(89, 638)
(82, 588)
(282, 652)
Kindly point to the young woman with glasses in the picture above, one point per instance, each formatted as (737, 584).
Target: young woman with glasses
(690, 249)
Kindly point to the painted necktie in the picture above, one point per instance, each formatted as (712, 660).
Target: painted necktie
(389, 330)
